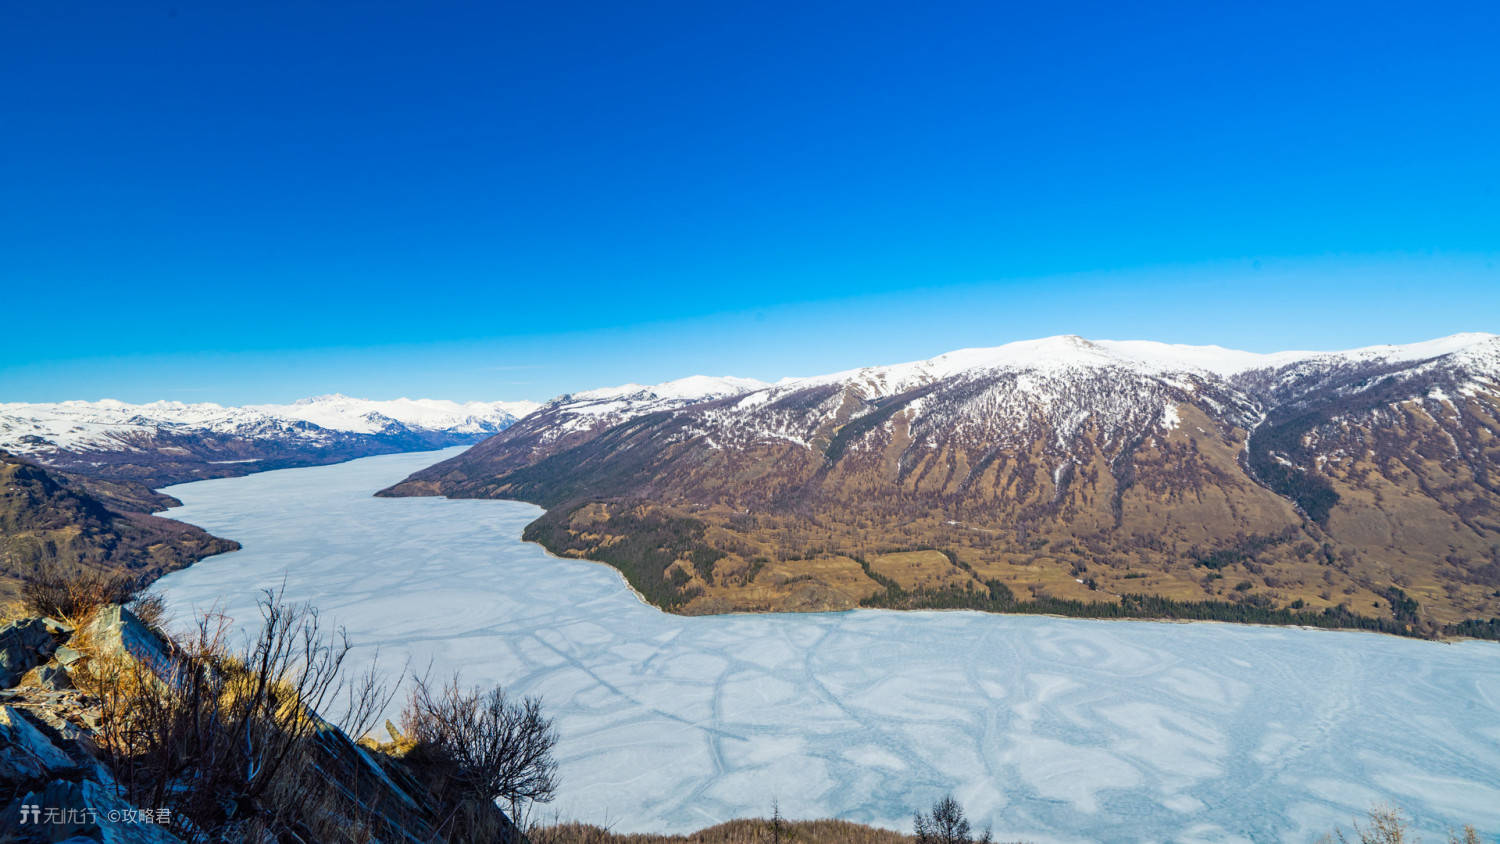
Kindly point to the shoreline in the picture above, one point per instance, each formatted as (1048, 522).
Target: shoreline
(541, 601)
(624, 581)
(1441, 640)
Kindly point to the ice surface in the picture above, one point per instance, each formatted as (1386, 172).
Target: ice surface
(1051, 729)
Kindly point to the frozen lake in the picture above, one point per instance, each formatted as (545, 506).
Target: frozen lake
(1051, 729)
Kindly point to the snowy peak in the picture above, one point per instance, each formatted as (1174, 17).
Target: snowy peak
(167, 442)
(693, 387)
(574, 418)
(342, 413)
(592, 410)
(1067, 352)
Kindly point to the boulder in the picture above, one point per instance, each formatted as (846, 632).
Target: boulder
(57, 628)
(66, 656)
(24, 644)
(26, 753)
(115, 629)
(53, 678)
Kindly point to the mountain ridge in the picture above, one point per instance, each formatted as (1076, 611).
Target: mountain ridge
(1061, 468)
(164, 442)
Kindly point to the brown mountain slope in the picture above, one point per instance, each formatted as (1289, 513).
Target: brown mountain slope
(55, 521)
(1064, 476)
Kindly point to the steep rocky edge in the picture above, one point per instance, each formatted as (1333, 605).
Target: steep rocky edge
(1353, 489)
(54, 726)
(62, 523)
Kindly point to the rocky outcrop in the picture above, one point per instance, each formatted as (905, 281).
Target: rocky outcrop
(24, 644)
(55, 784)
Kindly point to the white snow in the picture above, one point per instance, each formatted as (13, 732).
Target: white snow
(1064, 352)
(1066, 384)
(1170, 419)
(109, 424)
(691, 387)
(1051, 729)
(605, 406)
(342, 413)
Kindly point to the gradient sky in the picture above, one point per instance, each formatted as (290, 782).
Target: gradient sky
(260, 201)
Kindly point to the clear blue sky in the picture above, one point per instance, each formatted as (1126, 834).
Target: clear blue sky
(259, 201)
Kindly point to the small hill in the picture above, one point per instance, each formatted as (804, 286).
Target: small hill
(57, 522)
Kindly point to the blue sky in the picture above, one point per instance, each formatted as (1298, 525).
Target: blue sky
(263, 201)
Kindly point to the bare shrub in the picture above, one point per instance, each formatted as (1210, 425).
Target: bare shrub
(73, 595)
(946, 824)
(480, 746)
(150, 608)
(224, 736)
(1389, 825)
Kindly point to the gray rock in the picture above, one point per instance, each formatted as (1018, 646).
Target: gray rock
(115, 629)
(66, 656)
(57, 723)
(53, 677)
(57, 628)
(24, 644)
(26, 753)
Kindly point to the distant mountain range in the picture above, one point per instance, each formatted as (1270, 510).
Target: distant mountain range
(163, 443)
(1098, 477)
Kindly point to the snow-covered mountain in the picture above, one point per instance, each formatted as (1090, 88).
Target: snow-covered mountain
(575, 418)
(597, 409)
(1363, 470)
(167, 442)
(342, 413)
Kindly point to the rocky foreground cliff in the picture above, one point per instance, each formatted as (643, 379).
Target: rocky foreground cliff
(105, 737)
(1356, 488)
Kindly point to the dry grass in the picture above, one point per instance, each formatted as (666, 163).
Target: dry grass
(13, 609)
(814, 584)
(750, 831)
(914, 570)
